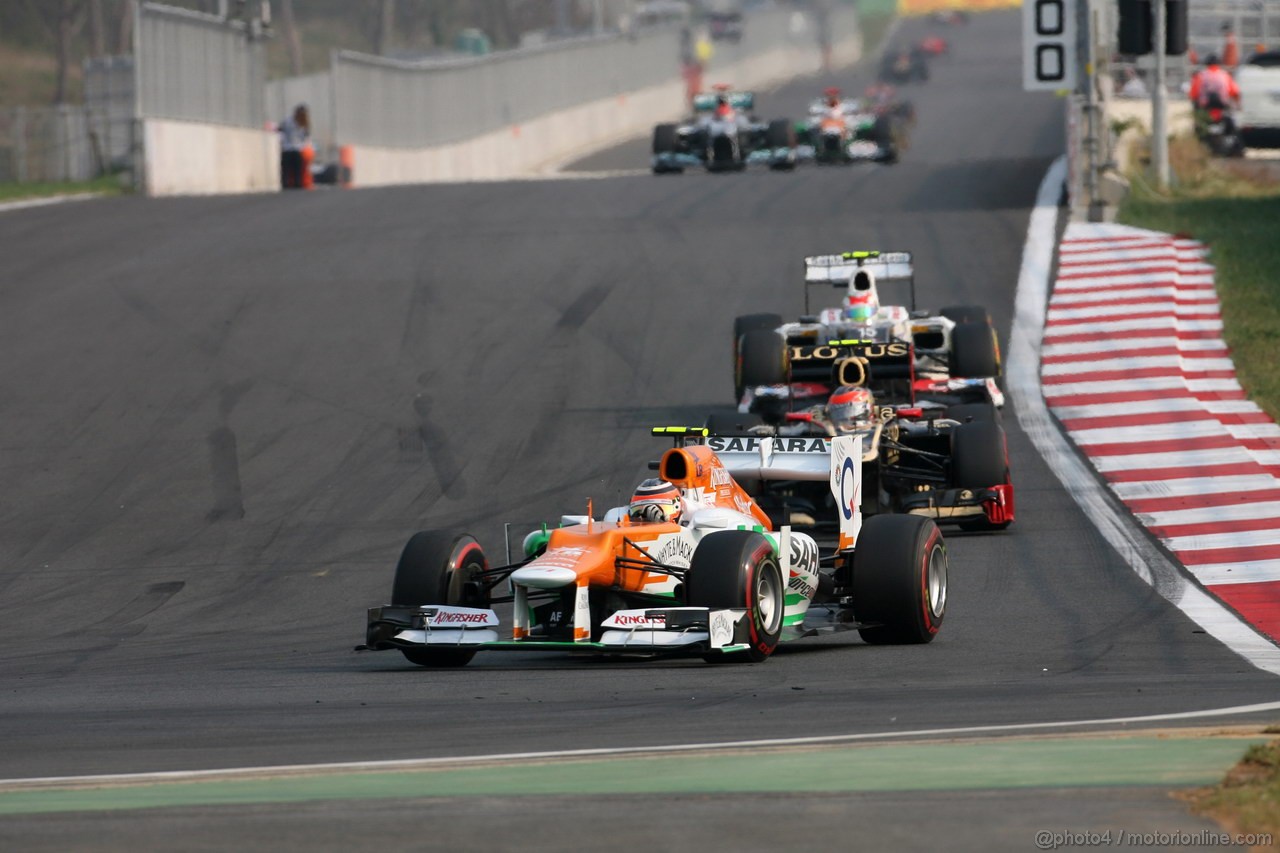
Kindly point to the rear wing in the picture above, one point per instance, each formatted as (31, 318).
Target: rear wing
(706, 101)
(836, 270)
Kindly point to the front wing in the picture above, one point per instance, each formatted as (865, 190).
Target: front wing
(649, 631)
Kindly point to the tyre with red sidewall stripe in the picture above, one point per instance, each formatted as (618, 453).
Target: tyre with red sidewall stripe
(899, 579)
(739, 569)
(436, 567)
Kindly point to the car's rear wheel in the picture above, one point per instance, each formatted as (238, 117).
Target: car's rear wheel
(738, 569)
(742, 325)
(781, 133)
(762, 360)
(899, 579)
(974, 353)
(665, 138)
(979, 460)
(440, 567)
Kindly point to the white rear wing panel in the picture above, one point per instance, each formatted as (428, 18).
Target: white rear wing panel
(838, 269)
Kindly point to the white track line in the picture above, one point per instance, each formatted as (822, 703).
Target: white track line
(55, 782)
(23, 204)
(1115, 523)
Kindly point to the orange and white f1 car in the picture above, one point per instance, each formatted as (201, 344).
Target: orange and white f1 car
(693, 566)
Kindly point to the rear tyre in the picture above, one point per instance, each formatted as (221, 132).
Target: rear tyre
(974, 354)
(979, 460)
(436, 567)
(781, 133)
(738, 568)
(665, 139)
(742, 325)
(899, 579)
(762, 360)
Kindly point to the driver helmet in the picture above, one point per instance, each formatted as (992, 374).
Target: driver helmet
(724, 109)
(1212, 59)
(849, 407)
(655, 500)
(833, 96)
(861, 306)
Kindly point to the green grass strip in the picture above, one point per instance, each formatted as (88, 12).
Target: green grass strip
(885, 767)
(107, 185)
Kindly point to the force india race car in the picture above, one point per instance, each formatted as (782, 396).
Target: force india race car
(956, 356)
(848, 130)
(723, 136)
(713, 578)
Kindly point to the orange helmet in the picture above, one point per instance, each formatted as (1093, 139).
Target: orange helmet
(655, 500)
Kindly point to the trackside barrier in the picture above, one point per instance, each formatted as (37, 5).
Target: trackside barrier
(784, 46)
(199, 89)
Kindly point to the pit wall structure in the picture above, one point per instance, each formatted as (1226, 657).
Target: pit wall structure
(192, 158)
(198, 87)
(535, 146)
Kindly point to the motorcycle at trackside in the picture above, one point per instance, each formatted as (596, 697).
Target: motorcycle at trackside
(1217, 128)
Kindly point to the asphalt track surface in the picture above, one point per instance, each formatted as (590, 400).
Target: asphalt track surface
(221, 418)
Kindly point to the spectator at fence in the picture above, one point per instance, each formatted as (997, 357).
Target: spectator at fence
(1230, 46)
(295, 142)
(1133, 86)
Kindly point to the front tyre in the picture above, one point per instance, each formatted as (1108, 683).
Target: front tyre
(899, 579)
(738, 569)
(440, 567)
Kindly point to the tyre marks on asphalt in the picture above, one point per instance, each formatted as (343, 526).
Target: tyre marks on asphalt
(224, 458)
(1135, 368)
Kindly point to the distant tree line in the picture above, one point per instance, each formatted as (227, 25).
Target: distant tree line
(75, 29)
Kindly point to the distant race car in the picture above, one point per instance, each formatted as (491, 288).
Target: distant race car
(933, 45)
(955, 354)
(723, 136)
(692, 565)
(848, 130)
(904, 65)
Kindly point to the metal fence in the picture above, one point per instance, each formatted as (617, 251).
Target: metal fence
(1255, 22)
(398, 104)
(199, 67)
(46, 144)
(109, 104)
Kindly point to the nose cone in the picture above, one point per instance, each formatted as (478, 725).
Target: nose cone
(544, 577)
